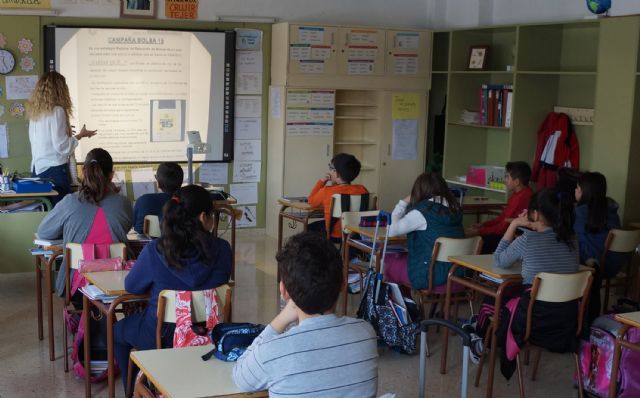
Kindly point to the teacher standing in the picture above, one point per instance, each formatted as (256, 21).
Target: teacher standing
(50, 133)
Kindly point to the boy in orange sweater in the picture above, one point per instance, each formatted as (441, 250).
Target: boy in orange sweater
(343, 169)
(517, 175)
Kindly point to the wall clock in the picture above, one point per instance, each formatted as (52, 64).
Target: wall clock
(7, 62)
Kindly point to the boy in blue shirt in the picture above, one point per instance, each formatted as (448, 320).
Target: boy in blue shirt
(169, 177)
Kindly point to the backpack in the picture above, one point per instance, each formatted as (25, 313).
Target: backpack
(232, 339)
(596, 360)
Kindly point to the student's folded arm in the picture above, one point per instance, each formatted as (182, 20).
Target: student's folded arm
(412, 221)
(249, 373)
(316, 196)
(140, 278)
(509, 252)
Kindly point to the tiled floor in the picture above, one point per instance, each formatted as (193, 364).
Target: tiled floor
(25, 369)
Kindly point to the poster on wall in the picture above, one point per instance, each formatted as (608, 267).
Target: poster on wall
(181, 9)
(30, 4)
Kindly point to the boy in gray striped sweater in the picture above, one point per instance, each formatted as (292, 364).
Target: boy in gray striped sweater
(324, 355)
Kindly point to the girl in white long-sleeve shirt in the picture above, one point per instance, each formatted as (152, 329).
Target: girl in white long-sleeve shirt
(430, 212)
(50, 133)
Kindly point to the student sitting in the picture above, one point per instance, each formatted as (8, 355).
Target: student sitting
(430, 212)
(169, 177)
(324, 355)
(185, 257)
(517, 175)
(343, 169)
(548, 244)
(95, 214)
(596, 214)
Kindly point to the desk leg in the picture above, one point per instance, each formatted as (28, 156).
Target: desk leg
(49, 276)
(110, 361)
(280, 221)
(86, 307)
(233, 245)
(445, 332)
(39, 295)
(616, 360)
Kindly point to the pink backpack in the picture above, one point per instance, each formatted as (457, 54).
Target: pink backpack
(185, 334)
(596, 360)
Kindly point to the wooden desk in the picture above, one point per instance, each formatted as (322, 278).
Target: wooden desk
(479, 205)
(628, 320)
(111, 283)
(297, 212)
(181, 373)
(48, 263)
(483, 264)
(41, 197)
(350, 241)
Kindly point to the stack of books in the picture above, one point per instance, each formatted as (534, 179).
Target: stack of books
(94, 293)
(98, 367)
(496, 103)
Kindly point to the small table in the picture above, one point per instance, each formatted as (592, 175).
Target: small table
(41, 197)
(628, 320)
(112, 284)
(48, 262)
(479, 205)
(483, 264)
(365, 247)
(298, 212)
(181, 373)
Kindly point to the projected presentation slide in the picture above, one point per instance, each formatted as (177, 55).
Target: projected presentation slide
(143, 89)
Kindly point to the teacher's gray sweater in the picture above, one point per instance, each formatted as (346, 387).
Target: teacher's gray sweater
(71, 219)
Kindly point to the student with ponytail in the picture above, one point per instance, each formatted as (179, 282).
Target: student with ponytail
(95, 214)
(187, 256)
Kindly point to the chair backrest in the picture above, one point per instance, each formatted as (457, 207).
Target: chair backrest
(151, 226)
(623, 241)
(167, 305)
(344, 202)
(560, 288)
(74, 253)
(446, 247)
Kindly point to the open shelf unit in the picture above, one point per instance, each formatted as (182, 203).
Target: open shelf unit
(583, 64)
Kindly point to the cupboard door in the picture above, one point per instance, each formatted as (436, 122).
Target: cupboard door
(361, 51)
(312, 50)
(402, 157)
(408, 53)
(306, 161)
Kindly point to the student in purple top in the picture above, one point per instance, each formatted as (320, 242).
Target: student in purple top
(169, 177)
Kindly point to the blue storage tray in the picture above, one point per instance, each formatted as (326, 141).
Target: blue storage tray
(28, 186)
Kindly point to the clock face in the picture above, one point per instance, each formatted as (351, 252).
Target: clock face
(7, 62)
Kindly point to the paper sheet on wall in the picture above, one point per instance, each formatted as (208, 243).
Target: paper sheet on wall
(249, 62)
(404, 144)
(248, 128)
(405, 106)
(275, 98)
(120, 181)
(246, 150)
(405, 64)
(244, 171)
(214, 173)
(311, 66)
(311, 35)
(249, 83)
(20, 87)
(407, 40)
(143, 181)
(245, 194)
(248, 106)
(4, 141)
(248, 39)
(248, 218)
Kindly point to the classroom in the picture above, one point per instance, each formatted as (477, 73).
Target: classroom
(443, 184)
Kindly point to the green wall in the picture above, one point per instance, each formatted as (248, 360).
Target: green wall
(19, 228)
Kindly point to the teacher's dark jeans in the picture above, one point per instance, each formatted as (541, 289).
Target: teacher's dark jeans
(59, 175)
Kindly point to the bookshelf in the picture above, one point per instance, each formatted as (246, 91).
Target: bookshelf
(591, 64)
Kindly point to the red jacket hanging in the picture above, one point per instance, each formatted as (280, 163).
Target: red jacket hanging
(557, 147)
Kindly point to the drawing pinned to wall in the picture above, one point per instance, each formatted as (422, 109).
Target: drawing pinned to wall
(247, 128)
(27, 64)
(248, 218)
(3, 40)
(20, 87)
(246, 171)
(4, 141)
(143, 181)
(248, 39)
(17, 109)
(25, 45)
(214, 173)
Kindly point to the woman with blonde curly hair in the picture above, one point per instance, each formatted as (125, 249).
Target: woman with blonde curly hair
(50, 133)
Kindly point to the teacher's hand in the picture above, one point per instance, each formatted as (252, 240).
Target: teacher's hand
(86, 133)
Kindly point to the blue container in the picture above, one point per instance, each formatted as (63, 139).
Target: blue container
(28, 186)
